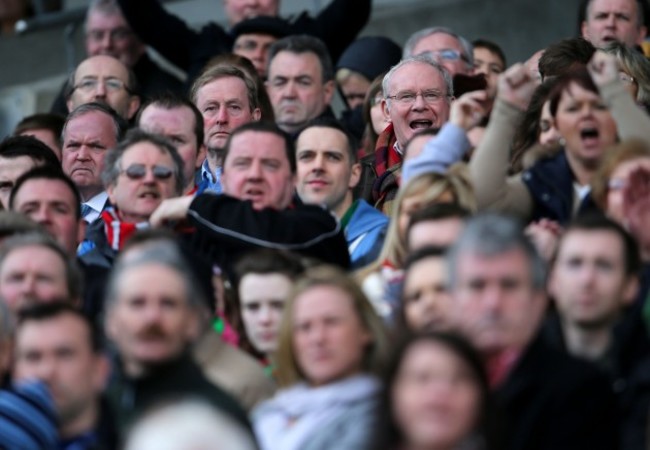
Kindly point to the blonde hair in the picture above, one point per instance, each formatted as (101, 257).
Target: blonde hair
(288, 371)
(430, 187)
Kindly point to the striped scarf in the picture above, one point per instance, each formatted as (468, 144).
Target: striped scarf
(118, 232)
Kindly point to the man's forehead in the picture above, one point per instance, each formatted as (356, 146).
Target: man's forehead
(23, 251)
(308, 63)
(44, 189)
(102, 66)
(91, 123)
(417, 72)
(597, 6)
(100, 20)
(157, 117)
(437, 41)
(316, 137)
(221, 89)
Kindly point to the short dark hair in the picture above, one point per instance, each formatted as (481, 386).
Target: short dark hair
(265, 126)
(41, 312)
(47, 173)
(17, 146)
(331, 122)
(302, 43)
(492, 47)
(438, 211)
(169, 101)
(48, 121)
(119, 123)
(430, 251)
(114, 156)
(564, 56)
(599, 222)
(266, 261)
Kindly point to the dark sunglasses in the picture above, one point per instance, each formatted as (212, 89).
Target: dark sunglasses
(138, 172)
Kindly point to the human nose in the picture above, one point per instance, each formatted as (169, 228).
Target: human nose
(41, 215)
(255, 170)
(289, 90)
(418, 102)
(83, 154)
(265, 314)
(222, 114)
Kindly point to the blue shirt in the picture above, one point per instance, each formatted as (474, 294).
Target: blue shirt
(209, 182)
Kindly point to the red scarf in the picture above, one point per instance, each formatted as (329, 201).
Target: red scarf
(385, 154)
(118, 232)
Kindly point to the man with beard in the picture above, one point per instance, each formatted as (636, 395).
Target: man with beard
(153, 314)
(139, 173)
(227, 99)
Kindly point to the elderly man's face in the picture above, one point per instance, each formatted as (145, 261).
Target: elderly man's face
(85, 141)
(613, 20)
(147, 177)
(224, 105)
(438, 45)
(297, 90)
(110, 34)
(238, 10)
(104, 79)
(417, 99)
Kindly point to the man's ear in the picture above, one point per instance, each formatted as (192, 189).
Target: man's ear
(134, 105)
(328, 91)
(385, 109)
(257, 114)
(630, 290)
(355, 175)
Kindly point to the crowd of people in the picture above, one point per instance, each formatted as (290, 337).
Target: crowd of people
(459, 261)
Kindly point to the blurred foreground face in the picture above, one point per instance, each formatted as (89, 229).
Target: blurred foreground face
(262, 298)
(151, 321)
(32, 274)
(425, 298)
(494, 302)
(329, 339)
(58, 352)
(435, 396)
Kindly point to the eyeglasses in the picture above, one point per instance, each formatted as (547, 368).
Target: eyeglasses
(409, 97)
(625, 78)
(118, 34)
(138, 172)
(88, 85)
(446, 54)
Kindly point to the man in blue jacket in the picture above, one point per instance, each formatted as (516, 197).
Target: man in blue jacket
(327, 173)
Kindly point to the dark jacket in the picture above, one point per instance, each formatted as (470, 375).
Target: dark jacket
(337, 25)
(627, 364)
(552, 401)
(227, 227)
(550, 183)
(152, 81)
(129, 397)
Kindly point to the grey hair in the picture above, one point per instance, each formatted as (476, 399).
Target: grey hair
(73, 278)
(159, 253)
(492, 235)
(113, 160)
(120, 125)
(424, 59)
(468, 49)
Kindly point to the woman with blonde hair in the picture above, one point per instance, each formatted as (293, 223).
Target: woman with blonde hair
(332, 346)
(381, 281)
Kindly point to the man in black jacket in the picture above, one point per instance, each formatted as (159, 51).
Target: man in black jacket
(549, 400)
(259, 208)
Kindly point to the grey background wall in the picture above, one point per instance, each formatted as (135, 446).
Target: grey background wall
(520, 26)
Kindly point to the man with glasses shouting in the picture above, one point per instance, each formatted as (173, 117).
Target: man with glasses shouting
(417, 95)
(139, 173)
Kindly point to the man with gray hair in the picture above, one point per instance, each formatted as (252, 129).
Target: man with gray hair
(549, 400)
(417, 95)
(139, 173)
(153, 314)
(449, 49)
(89, 131)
